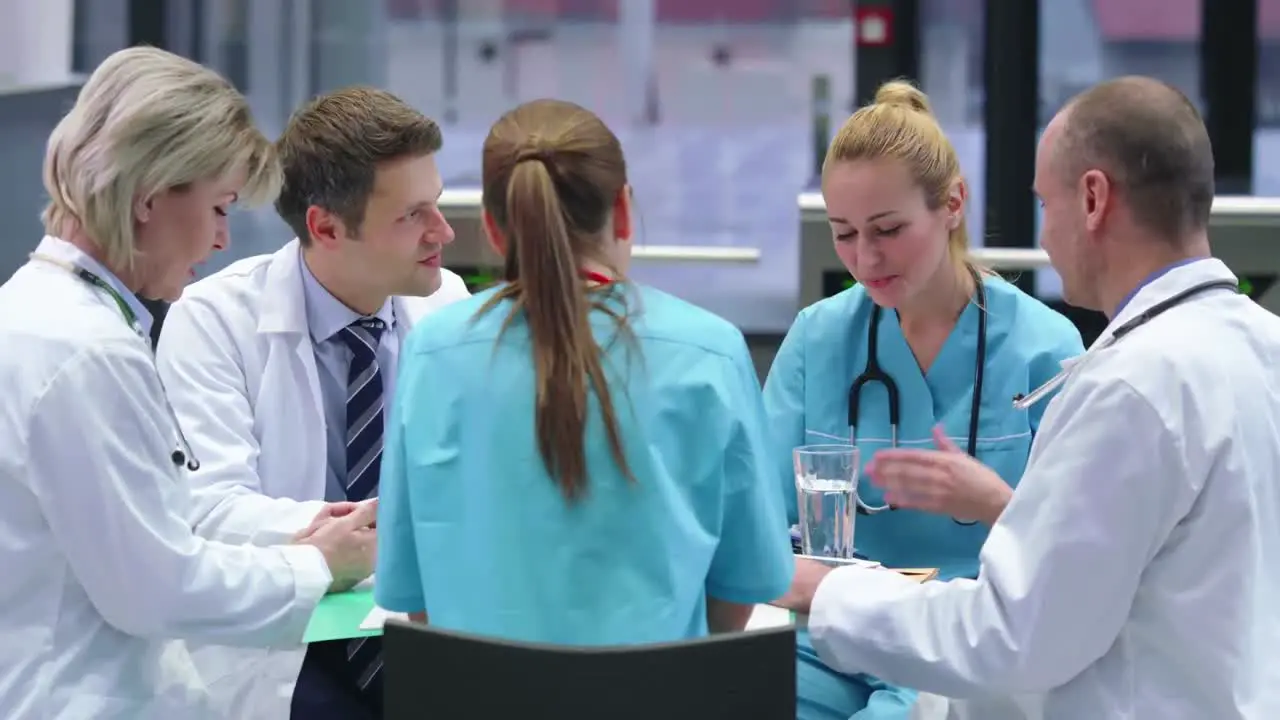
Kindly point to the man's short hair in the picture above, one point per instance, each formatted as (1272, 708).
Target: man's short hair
(332, 147)
(1150, 140)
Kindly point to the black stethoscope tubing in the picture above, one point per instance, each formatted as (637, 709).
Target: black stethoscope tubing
(874, 373)
(1156, 310)
(1024, 400)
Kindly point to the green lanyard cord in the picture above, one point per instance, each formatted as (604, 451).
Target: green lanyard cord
(129, 315)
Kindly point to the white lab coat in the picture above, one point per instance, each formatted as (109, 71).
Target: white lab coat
(1133, 575)
(101, 568)
(238, 362)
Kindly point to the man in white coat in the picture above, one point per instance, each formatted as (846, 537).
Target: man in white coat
(1133, 575)
(278, 367)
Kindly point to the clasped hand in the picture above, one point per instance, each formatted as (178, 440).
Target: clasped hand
(346, 534)
(943, 480)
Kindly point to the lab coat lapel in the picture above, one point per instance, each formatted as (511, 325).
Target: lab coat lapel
(1164, 287)
(282, 323)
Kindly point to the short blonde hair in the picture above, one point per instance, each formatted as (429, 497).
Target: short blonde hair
(900, 126)
(147, 121)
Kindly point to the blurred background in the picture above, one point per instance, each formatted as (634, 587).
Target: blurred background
(722, 105)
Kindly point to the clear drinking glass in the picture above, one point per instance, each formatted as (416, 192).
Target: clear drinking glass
(826, 493)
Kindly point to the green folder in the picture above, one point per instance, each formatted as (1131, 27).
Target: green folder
(338, 616)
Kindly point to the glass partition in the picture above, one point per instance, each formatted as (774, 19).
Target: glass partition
(1266, 134)
(1083, 42)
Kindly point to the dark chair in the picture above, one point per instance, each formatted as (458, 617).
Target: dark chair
(431, 673)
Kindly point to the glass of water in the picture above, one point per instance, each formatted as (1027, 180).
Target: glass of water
(826, 493)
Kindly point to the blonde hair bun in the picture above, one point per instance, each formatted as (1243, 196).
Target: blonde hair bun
(903, 94)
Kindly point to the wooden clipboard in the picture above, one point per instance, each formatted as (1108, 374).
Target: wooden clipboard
(918, 574)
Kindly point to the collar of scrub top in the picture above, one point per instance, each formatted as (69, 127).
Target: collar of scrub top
(327, 315)
(59, 252)
(1216, 277)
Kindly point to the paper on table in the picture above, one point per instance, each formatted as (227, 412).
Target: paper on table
(768, 616)
(377, 617)
(338, 616)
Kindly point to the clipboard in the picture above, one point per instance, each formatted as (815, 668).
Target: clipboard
(919, 574)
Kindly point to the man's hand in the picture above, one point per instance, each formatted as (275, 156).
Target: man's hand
(349, 544)
(329, 512)
(804, 585)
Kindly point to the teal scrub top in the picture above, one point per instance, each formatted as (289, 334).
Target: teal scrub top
(473, 530)
(806, 396)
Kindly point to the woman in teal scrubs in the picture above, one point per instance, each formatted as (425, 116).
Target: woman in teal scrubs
(895, 200)
(573, 458)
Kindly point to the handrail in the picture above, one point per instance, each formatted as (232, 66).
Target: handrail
(695, 253)
(459, 199)
(464, 204)
(1252, 207)
(1228, 210)
(998, 258)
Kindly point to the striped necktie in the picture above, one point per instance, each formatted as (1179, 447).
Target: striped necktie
(364, 456)
(364, 408)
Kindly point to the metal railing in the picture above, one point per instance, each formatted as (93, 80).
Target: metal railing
(463, 206)
(1229, 211)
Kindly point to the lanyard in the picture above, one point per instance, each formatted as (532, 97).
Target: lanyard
(130, 316)
(182, 455)
(595, 277)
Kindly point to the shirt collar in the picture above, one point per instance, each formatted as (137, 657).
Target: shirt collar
(61, 250)
(326, 314)
(1152, 278)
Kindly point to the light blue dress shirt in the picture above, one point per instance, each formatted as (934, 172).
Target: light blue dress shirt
(326, 317)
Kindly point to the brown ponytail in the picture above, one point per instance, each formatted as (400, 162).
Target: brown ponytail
(546, 239)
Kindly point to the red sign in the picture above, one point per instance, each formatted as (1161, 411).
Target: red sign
(873, 26)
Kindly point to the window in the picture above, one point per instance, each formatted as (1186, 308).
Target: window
(1083, 42)
(1266, 135)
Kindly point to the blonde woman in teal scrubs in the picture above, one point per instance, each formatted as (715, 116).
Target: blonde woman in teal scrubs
(957, 343)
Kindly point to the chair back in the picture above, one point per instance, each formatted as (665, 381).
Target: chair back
(431, 673)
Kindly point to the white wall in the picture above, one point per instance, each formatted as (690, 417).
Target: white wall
(35, 42)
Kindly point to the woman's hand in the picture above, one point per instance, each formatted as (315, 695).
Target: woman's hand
(946, 481)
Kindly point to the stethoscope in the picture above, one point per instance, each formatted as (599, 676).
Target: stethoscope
(182, 455)
(1022, 402)
(874, 373)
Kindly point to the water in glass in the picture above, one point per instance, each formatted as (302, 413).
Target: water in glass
(826, 491)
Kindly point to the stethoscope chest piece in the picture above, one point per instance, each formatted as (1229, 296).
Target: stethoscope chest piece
(181, 459)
